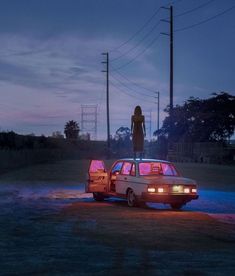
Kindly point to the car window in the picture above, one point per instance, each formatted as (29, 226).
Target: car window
(168, 169)
(97, 166)
(150, 168)
(117, 167)
(126, 168)
(133, 169)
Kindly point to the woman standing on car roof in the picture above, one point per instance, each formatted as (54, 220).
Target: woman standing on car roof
(138, 131)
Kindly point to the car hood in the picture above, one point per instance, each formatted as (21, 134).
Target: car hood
(172, 180)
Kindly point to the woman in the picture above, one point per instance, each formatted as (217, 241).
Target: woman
(138, 131)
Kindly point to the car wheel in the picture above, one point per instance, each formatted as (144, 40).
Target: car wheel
(131, 198)
(98, 196)
(176, 206)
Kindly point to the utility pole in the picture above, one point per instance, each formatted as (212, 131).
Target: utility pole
(107, 96)
(171, 54)
(171, 60)
(158, 107)
(171, 63)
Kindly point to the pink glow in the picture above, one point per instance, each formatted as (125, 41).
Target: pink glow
(96, 166)
(126, 168)
(155, 168)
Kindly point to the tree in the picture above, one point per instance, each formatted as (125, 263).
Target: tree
(121, 144)
(123, 133)
(201, 120)
(57, 134)
(71, 130)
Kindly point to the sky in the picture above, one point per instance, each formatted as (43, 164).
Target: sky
(51, 59)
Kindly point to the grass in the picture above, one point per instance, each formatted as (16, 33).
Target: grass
(208, 176)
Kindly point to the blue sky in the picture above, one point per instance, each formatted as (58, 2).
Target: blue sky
(50, 59)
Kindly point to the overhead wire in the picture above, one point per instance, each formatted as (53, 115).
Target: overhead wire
(123, 84)
(194, 9)
(135, 46)
(133, 83)
(135, 34)
(143, 26)
(139, 31)
(205, 20)
(128, 94)
(139, 54)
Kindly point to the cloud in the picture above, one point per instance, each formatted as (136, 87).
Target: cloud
(61, 73)
(55, 76)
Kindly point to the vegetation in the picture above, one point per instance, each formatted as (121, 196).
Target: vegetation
(71, 130)
(201, 120)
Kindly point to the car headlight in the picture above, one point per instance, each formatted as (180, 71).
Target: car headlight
(186, 190)
(151, 190)
(160, 190)
(194, 190)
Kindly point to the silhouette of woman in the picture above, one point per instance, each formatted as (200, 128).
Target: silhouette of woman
(138, 131)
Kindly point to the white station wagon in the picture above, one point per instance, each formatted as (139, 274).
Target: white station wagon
(140, 181)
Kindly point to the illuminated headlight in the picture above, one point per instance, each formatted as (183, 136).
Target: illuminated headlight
(186, 190)
(151, 190)
(160, 190)
(194, 190)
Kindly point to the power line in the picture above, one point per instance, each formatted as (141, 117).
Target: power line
(143, 26)
(139, 31)
(194, 9)
(128, 94)
(139, 54)
(134, 47)
(205, 21)
(123, 84)
(133, 83)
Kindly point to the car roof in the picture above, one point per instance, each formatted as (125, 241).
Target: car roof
(138, 160)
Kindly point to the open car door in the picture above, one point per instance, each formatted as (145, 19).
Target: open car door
(97, 177)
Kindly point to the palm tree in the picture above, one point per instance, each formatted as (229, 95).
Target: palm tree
(71, 130)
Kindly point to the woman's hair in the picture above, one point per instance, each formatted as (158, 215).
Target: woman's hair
(138, 110)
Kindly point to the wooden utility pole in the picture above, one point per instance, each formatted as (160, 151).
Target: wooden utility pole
(107, 96)
(158, 107)
(171, 60)
(171, 54)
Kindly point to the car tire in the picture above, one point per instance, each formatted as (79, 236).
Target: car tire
(131, 198)
(98, 196)
(176, 206)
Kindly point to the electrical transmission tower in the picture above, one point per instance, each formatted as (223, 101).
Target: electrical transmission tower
(89, 119)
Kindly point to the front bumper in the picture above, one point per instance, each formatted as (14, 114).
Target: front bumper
(168, 198)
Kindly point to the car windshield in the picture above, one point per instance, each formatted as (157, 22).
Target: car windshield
(157, 168)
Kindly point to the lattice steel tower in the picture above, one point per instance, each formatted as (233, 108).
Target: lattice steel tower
(89, 119)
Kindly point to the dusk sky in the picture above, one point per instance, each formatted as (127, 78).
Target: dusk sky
(50, 58)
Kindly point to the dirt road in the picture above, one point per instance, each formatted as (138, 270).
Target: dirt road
(58, 230)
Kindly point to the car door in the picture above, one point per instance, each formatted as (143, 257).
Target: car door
(124, 179)
(97, 177)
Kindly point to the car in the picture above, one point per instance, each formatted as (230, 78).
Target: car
(140, 181)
